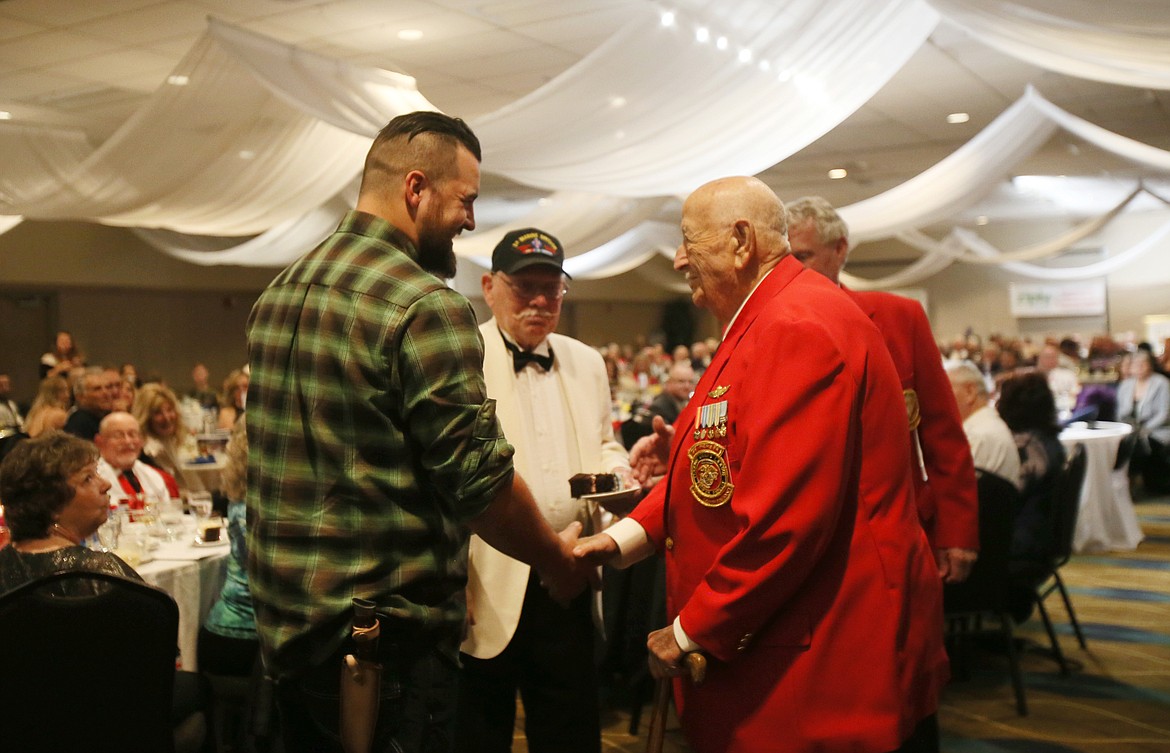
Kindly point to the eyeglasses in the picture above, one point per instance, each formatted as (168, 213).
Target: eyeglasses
(527, 290)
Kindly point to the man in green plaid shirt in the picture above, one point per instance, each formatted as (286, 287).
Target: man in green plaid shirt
(374, 449)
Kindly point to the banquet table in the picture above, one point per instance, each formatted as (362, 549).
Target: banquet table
(1106, 521)
(193, 576)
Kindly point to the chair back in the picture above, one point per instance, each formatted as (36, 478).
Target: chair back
(1066, 504)
(87, 672)
(985, 589)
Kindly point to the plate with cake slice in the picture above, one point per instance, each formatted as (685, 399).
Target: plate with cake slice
(606, 490)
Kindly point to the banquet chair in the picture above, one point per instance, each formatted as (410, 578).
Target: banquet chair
(1066, 502)
(90, 672)
(986, 591)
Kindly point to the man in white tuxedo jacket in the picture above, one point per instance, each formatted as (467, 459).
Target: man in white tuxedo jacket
(553, 402)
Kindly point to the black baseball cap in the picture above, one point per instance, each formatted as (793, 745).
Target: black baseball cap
(525, 248)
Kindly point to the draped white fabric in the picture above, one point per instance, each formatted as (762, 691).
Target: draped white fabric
(1121, 41)
(695, 112)
(354, 98)
(219, 156)
(276, 247)
(1097, 269)
(962, 178)
(958, 181)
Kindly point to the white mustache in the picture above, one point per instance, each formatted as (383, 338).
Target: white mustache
(534, 314)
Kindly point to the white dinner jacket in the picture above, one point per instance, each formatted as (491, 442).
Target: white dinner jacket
(496, 582)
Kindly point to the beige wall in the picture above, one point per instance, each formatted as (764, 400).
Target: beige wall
(124, 301)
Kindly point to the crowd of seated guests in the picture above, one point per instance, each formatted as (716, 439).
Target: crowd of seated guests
(648, 379)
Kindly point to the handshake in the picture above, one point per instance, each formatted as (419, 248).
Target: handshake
(576, 564)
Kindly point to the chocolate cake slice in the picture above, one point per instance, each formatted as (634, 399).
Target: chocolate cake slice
(593, 483)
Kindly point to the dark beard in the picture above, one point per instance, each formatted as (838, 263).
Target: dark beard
(437, 256)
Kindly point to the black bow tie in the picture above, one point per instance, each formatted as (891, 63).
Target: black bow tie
(521, 358)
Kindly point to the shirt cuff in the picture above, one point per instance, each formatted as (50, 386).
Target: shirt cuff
(633, 543)
(684, 641)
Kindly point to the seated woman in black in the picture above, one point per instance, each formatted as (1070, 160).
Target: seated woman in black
(1028, 408)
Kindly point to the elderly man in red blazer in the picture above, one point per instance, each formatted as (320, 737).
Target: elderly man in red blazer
(944, 473)
(794, 557)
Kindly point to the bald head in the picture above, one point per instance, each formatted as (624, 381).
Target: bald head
(119, 440)
(733, 234)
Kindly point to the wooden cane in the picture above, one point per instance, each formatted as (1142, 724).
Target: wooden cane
(696, 665)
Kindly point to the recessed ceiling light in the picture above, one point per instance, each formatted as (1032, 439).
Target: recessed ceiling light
(410, 35)
(745, 55)
(981, 220)
(837, 173)
(247, 154)
(721, 43)
(765, 66)
(617, 101)
(178, 80)
(5, 115)
(958, 117)
(667, 18)
(702, 34)
(619, 135)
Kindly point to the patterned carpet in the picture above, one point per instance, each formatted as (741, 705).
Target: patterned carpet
(1116, 699)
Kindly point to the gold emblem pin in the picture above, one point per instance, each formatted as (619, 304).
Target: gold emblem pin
(710, 477)
(718, 392)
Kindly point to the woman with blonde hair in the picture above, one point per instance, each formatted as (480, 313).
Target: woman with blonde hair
(232, 399)
(156, 409)
(50, 407)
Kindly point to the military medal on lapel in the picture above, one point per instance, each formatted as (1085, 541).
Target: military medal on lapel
(710, 475)
(711, 421)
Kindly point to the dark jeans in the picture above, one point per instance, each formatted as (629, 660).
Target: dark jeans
(416, 713)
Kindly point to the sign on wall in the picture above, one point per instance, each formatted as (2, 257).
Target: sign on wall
(1046, 299)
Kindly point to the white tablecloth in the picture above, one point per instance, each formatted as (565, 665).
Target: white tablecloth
(193, 576)
(1107, 521)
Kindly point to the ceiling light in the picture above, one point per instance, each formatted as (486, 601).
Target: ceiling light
(619, 135)
(958, 117)
(745, 55)
(616, 102)
(702, 34)
(410, 35)
(721, 43)
(5, 115)
(178, 80)
(765, 66)
(247, 154)
(981, 220)
(837, 173)
(668, 18)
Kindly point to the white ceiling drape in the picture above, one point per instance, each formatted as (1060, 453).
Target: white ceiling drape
(1121, 41)
(266, 140)
(220, 155)
(694, 111)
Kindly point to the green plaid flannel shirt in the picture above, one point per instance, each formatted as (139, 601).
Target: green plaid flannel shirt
(372, 444)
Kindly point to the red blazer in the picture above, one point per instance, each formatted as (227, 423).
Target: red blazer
(812, 589)
(947, 501)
